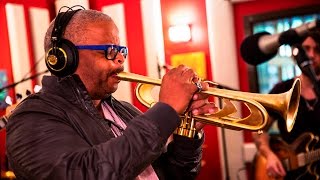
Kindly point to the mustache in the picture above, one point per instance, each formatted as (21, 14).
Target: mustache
(117, 70)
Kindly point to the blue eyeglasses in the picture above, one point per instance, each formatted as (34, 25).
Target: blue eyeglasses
(110, 51)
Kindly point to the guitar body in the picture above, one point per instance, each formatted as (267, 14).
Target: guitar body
(291, 157)
(260, 169)
(5, 173)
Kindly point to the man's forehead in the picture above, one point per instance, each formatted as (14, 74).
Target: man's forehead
(103, 32)
(309, 41)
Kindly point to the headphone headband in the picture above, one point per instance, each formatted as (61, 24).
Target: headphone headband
(62, 59)
(61, 22)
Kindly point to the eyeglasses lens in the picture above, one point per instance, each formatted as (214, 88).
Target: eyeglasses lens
(124, 52)
(111, 53)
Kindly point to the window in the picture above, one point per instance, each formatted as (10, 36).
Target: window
(282, 66)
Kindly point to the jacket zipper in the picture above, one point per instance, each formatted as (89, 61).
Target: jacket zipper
(82, 101)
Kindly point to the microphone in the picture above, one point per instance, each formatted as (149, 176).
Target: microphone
(305, 64)
(261, 47)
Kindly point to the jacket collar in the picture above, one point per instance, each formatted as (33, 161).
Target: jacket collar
(70, 87)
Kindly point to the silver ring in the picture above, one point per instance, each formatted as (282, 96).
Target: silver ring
(199, 86)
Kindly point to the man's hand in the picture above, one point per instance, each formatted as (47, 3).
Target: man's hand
(178, 88)
(274, 166)
(201, 105)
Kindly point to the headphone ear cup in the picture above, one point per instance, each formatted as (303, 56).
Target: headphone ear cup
(64, 60)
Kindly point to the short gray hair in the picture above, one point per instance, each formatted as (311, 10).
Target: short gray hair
(76, 28)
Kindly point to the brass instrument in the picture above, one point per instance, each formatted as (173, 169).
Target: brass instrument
(286, 104)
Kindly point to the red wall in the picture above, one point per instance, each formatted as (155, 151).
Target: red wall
(251, 8)
(5, 52)
(137, 55)
(4, 45)
(133, 24)
(195, 9)
(5, 64)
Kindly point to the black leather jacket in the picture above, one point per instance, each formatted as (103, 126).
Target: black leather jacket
(59, 134)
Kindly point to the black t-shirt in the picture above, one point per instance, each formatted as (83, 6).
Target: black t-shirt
(307, 120)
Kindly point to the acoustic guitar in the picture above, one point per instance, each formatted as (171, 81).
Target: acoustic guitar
(299, 156)
(4, 118)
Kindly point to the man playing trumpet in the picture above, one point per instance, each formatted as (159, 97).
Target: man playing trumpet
(75, 129)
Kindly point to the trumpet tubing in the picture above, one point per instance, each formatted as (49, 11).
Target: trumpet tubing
(286, 104)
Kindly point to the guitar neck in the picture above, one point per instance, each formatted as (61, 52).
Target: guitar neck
(312, 156)
(3, 122)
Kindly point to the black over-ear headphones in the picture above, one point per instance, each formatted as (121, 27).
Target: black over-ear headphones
(63, 58)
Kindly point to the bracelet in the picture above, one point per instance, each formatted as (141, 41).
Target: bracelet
(199, 134)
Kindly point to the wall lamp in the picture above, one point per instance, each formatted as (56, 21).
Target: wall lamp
(180, 33)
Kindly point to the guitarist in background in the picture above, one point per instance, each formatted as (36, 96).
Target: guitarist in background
(307, 121)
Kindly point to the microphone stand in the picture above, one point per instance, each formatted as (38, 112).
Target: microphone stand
(223, 134)
(224, 146)
(305, 64)
(24, 79)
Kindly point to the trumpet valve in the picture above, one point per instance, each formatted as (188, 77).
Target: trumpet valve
(187, 126)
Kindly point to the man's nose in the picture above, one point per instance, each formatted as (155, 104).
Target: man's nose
(311, 53)
(119, 58)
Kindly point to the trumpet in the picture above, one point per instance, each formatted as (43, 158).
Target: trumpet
(286, 104)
